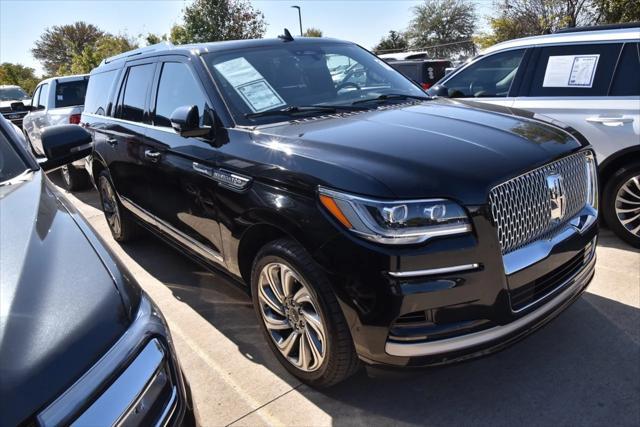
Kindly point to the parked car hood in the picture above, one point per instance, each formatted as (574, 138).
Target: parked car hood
(60, 309)
(439, 148)
(7, 104)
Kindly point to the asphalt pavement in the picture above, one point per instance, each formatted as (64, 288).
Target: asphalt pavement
(581, 369)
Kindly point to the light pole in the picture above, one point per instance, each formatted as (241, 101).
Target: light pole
(299, 17)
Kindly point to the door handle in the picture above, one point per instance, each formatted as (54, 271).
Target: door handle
(205, 170)
(112, 142)
(152, 155)
(610, 121)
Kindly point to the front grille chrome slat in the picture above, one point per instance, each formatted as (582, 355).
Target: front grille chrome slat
(521, 207)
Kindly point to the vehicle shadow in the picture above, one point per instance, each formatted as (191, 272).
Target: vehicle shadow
(88, 196)
(581, 369)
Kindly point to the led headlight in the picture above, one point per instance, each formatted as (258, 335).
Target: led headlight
(592, 180)
(396, 222)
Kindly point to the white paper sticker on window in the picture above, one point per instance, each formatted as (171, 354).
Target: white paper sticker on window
(250, 84)
(571, 71)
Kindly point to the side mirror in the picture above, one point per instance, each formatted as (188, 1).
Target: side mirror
(439, 90)
(65, 144)
(185, 121)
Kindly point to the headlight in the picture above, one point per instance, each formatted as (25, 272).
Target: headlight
(396, 222)
(592, 181)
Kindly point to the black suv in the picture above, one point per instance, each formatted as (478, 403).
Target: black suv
(370, 222)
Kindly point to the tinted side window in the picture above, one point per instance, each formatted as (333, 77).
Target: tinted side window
(98, 90)
(626, 81)
(177, 88)
(606, 56)
(134, 94)
(488, 77)
(70, 94)
(44, 96)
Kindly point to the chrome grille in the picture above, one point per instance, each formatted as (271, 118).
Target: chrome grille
(521, 207)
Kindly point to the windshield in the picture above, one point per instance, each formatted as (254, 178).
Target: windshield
(12, 94)
(11, 165)
(289, 75)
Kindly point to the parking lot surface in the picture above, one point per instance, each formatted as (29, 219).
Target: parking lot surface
(581, 369)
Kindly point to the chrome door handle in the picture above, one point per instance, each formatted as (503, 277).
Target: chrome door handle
(112, 142)
(205, 170)
(610, 121)
(152, 155)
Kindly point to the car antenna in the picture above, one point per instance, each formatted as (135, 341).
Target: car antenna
(286, 36)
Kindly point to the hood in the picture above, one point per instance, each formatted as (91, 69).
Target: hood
(60, 308)
(439, 148)
(7, 104)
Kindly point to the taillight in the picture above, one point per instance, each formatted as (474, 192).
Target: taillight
(74, 119)
(426, 85)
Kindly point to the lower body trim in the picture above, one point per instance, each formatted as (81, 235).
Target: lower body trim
(494, 334)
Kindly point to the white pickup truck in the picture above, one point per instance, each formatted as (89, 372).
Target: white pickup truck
(55, 101)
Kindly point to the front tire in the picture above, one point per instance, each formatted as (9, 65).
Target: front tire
(74, 179)
(300, 315)
(621, 204)
(121, 223)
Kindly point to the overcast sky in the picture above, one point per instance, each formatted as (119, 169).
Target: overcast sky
(360, 21)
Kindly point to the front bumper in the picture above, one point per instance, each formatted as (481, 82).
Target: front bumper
(15, 117)
(461, 298)
(137, 382)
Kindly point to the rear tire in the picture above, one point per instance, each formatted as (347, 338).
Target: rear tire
(121, 222)
(74, 179)
(621, 203)
(304, 313)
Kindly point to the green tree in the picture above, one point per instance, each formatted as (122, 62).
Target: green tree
(312, 32)
(91, 56)
(213, 20)
(154, 39)
(616, 11)
(447, 24)
(395, 41)
(523, 18)
(59, 44)
(16, 74)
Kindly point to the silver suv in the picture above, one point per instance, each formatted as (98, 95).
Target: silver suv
(56, 101)
(589, 80)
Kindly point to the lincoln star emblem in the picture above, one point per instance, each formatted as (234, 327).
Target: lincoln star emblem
(557, 196)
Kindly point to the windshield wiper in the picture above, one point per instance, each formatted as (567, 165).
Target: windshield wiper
(300, 109)
(392, 96)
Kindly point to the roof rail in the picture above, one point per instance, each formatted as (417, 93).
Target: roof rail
(142, 50)
(599, 27)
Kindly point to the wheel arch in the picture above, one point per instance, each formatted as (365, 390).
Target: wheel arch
(613, 163)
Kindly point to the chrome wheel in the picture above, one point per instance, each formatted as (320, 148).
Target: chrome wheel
(66, 175)
(110, 206)
(291, 316)
(628, 205)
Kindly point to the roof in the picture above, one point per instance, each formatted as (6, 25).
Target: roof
(569, 37)
(62, 79)
(220, 46)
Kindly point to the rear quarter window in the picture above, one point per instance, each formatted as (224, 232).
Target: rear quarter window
(98, 91)
(607, 56)
(70, 94)
(626, 81)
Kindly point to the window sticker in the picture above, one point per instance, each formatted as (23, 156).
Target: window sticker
(571, 71)
(250, 85)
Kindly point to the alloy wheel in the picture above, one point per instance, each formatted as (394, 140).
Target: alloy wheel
(291, 316)
(628, 205)
(110, 205)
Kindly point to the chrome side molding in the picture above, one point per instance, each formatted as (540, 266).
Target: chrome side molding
(434, 271)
